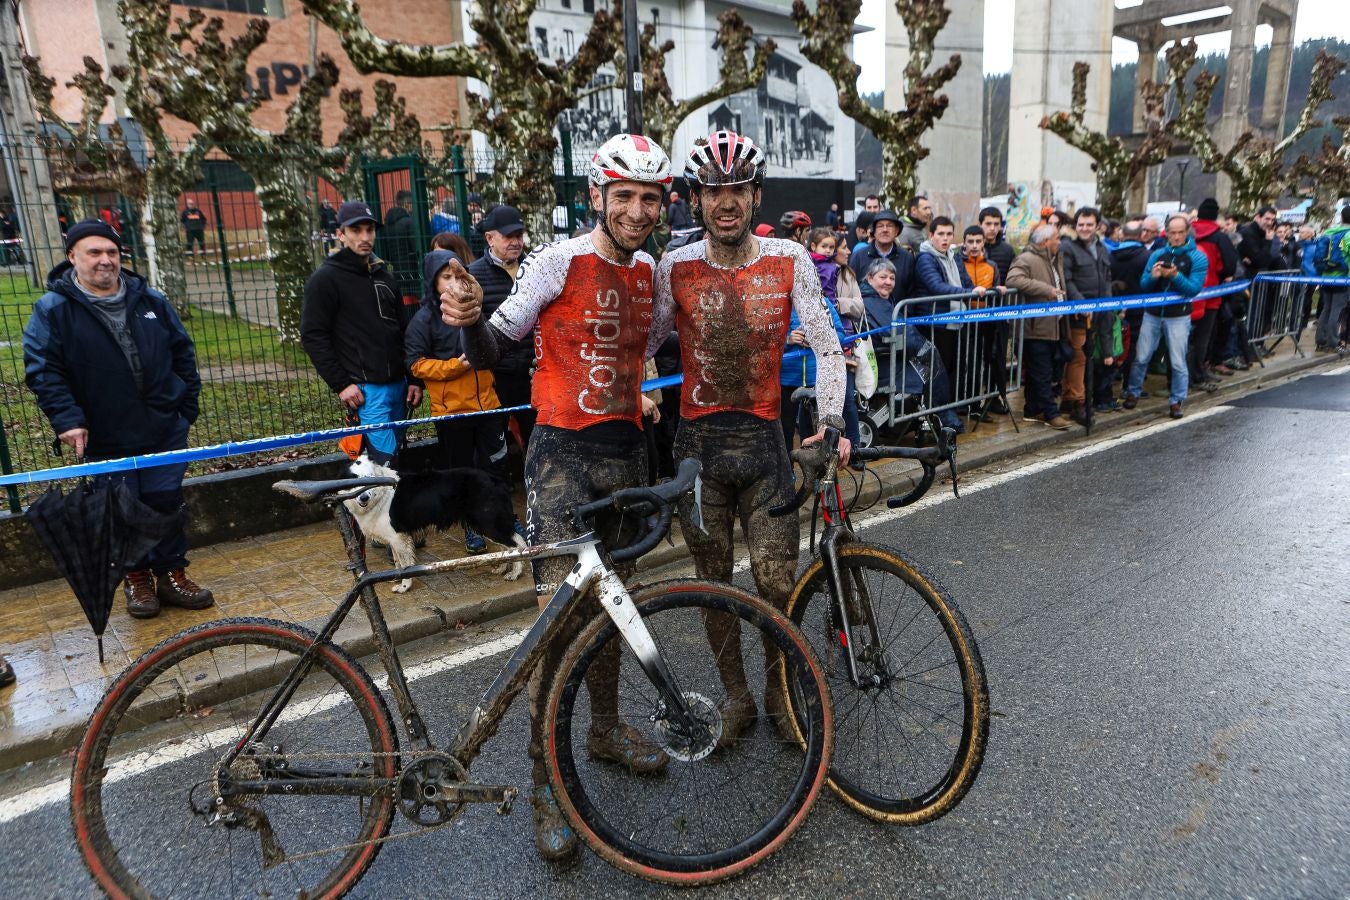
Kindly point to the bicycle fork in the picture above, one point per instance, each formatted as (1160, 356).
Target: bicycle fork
(618, 605)
(842, 590)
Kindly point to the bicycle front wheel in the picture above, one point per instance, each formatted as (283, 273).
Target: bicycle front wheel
(724, 801)
(910, 740)
(144, 791)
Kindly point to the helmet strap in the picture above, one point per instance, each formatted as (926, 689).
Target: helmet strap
(619, 249)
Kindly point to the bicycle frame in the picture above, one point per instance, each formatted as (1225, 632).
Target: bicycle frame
(839, 531)
(593, 568)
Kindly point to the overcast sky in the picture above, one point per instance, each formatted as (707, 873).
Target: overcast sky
(1316, 18)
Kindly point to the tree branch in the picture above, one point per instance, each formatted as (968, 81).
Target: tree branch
(1254, 164)
(1117, 166)
(371, 53)
(827, 37)
(662, 114)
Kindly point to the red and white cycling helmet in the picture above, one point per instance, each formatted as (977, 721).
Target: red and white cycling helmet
(724, 157)
(630, 157)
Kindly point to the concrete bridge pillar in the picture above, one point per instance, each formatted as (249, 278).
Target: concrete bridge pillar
(951, 173)
(1238, 87)
(1049, 36)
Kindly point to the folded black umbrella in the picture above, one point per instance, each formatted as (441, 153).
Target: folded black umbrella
(96, 534)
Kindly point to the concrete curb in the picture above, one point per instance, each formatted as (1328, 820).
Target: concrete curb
(407, 626)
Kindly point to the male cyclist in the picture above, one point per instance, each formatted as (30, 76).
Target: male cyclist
(588, 302)
(732, 297)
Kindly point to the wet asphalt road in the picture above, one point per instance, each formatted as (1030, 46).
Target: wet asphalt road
(1166, 631)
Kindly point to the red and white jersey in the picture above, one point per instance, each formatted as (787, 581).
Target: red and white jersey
(590, 317)
(733, 324)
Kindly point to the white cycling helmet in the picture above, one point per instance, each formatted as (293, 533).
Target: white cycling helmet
(630, 157)
(724, 157)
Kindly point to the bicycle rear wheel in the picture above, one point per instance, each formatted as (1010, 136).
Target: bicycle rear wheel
(910, 744)
(714, 812)
(143, 802)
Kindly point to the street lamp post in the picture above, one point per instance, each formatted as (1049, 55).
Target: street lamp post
(632, 52)
(1181, 190)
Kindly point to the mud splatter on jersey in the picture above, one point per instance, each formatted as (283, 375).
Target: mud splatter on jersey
(733, 324)
(590, 318)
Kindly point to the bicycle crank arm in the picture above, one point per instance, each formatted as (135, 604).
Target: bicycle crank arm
(504, 795)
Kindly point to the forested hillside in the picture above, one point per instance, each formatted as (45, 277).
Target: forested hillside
(994, 162)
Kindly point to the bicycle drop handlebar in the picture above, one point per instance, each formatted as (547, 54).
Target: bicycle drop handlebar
(661, 498)
(813, 461)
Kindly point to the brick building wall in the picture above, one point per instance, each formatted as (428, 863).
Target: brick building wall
(63, 32)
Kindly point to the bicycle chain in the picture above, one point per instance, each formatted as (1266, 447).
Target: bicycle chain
(342, 848)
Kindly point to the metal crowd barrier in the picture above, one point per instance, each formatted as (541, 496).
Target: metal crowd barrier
(965, 368)
(1277, 310)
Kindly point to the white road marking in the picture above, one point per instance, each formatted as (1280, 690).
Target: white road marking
(941, 493)
(139, 763)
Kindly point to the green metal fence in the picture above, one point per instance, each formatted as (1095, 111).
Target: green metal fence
(254, 385)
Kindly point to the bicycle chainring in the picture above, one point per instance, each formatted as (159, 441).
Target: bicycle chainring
(419, 789)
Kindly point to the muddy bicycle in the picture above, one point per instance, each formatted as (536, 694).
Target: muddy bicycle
(258, 757)
(911, 700)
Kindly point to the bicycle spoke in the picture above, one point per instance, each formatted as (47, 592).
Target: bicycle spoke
(713, 804)
(152, 782)
(898, 736)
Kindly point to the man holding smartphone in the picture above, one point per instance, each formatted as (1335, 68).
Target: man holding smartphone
(1176, 268)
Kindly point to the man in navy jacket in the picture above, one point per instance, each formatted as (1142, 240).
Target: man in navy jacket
(116, 374)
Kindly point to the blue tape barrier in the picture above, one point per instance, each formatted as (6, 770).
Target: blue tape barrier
(1005, 313)
(1325, 280)
(229, 448)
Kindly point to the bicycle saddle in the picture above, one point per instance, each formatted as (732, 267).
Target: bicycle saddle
(314, 490)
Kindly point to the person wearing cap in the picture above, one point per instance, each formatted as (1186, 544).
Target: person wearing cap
(915, 230)
(586, 305)
(885, 229)
(115, 373)
(352, 324)
(495, 271)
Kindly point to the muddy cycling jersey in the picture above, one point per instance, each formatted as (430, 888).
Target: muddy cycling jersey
(733, 323)
(590, 319)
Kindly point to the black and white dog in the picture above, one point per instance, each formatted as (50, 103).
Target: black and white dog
(438, 499)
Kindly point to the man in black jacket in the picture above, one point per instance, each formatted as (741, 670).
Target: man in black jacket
(496, 271)
(115, 373)
(352, 325)
(996, 247)
(1127, 269)
(1258, 248)
(1087, 276)
(400, 244)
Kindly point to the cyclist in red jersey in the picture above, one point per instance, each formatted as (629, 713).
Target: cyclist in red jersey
(588, 303)
(731, 297)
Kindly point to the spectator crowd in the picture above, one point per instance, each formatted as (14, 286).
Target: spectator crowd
(373, 330)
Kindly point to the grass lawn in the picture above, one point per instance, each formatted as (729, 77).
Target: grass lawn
(252, 386)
